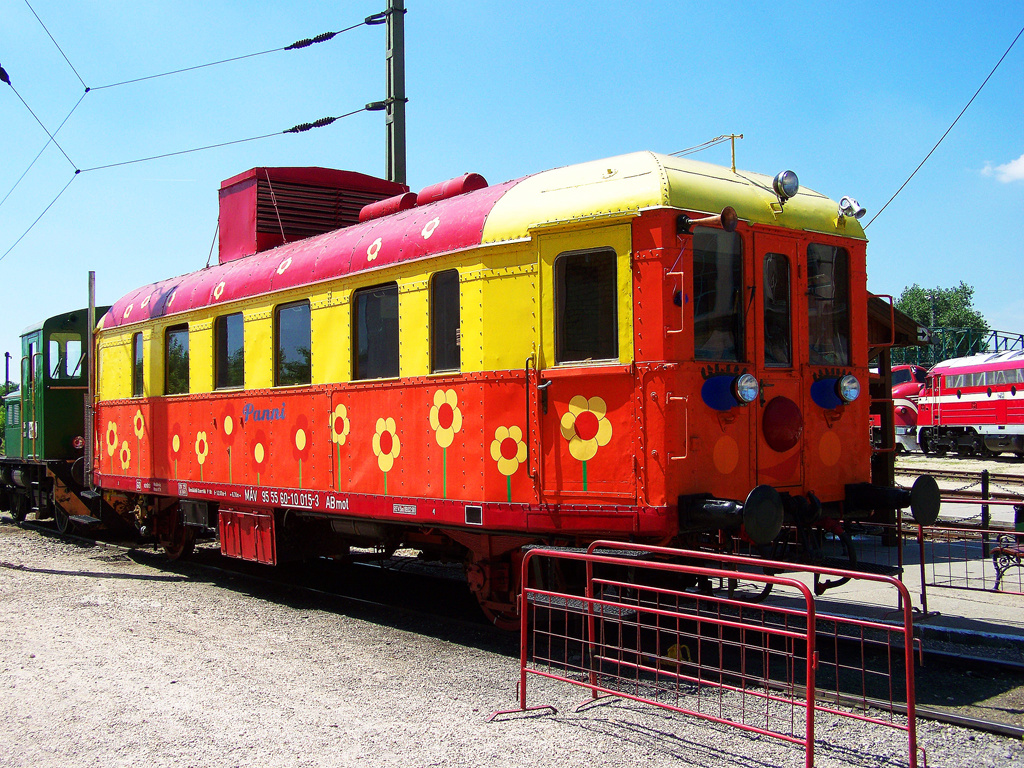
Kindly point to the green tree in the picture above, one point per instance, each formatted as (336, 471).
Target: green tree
(958, 329)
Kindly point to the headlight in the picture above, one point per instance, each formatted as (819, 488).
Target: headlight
(745, 388)
(786, 185)
(848, 388)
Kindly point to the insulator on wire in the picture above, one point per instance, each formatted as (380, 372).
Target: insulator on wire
(321, 38)
(309, 126)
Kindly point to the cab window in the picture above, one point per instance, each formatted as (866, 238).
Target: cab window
(65, 356)
(828, 305)
(777, 330)
(718, 321)
(176, 357)
(586, 307)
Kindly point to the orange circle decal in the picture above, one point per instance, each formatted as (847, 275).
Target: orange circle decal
(726, 455)
(830, 448)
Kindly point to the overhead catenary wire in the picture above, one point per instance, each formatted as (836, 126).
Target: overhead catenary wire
(57, 44)
(6, 78)
(40, 216)
(302, 127)
(323, 121)
(298, 44)
(904, 184)
(40, 154)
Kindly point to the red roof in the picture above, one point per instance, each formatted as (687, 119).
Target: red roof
(429, 230)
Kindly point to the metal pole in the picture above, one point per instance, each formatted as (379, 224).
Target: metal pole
(395, 119)
(986, 520)
(90, 432)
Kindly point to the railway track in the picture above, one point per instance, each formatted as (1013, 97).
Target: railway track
(967, 484)
(397, 589)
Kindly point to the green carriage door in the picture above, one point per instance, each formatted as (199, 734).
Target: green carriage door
(32, 386)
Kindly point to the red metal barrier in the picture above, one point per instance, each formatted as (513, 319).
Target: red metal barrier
(973, 558)
(654, 631)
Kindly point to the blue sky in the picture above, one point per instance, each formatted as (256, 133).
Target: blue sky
(851, 96)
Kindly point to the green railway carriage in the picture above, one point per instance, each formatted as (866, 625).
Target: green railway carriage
(45, 429)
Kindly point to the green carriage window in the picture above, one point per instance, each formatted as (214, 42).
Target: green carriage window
(828, 304)
(176, 360)
(138, 381)
(586, 307)
(293, 345)
(65, 355)
(229, 346)
(375, 332)
(445, 322)
(718, 320)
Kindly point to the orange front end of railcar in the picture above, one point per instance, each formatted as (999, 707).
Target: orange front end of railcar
(754, 380)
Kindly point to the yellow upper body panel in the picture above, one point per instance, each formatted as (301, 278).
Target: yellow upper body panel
(625, 185)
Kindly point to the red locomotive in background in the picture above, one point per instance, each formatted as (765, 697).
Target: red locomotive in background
(974, 406)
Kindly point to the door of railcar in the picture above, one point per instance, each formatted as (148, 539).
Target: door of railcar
(585, 409)
(780, 407)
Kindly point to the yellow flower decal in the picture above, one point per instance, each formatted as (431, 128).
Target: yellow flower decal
(202, 448)
(128, 311)
(111, 438)
(284, 265)
(175, 443)
(140, 424)
(386, 445)
(585, 427)
(229, 425)
(258, 453)
(126, 455)
(219, 290)
(339, 424)
(508, 449)
(445, 416)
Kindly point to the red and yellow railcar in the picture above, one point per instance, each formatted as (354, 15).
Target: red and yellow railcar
(642, 347)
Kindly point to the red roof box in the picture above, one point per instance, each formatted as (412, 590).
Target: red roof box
(266, 207)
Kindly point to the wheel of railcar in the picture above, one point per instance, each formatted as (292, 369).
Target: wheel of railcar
(19, 507)
(61, 519)
(181, 543)
(176, 539)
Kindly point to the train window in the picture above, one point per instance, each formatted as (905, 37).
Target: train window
(586, 304)
(445, 322)
(65, 351)
(718, 322)
(293, 345)
(375, 332)
(901, 377)
(176, 360)
(777, 330)
(229, 359)
(828, 304)
(138, 388)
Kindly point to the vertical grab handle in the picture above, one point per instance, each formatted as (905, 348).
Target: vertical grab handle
(684, 399)
(682, 304)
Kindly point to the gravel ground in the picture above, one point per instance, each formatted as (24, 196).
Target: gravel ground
(107, 661)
